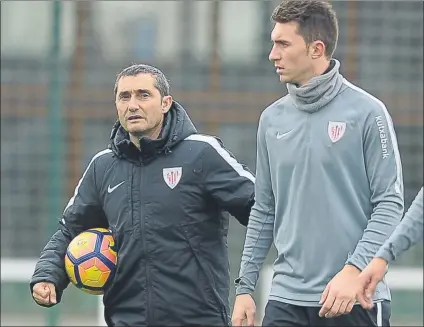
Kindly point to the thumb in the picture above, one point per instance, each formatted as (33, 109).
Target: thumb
(52, 293)
(250, 317)
(370, 289)
(363, 300)
(238, 316)
(42, 290)
(237, 322)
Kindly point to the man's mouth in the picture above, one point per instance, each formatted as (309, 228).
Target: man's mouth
(134, 117)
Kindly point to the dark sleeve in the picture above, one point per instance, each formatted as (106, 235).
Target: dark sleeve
(83, 212)
(229, 182)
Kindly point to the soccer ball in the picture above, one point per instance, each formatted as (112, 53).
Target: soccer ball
(90, 260)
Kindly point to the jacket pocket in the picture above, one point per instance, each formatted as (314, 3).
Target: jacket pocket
(210, 288)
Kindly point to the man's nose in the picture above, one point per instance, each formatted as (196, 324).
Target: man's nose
(272, 55)
(132, 104)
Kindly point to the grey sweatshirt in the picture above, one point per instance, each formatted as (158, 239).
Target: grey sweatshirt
(408, 233)
(329, 188)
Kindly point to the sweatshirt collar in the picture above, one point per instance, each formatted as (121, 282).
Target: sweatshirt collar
(319, 91)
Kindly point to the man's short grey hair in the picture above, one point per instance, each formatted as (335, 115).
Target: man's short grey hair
(161, 82)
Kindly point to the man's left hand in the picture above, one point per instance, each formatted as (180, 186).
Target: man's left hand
(339, 296)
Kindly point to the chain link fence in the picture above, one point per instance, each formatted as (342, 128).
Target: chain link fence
(58, 66)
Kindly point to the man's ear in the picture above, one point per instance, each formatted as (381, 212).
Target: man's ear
(166, 103)
(317, 49)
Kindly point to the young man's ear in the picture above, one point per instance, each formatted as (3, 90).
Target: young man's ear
(166, 103)
(317, 49)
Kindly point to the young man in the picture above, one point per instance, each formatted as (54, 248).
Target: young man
(329, 185)
(408, 233)
(164, 191)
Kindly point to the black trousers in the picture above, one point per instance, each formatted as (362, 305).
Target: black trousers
(284, 314)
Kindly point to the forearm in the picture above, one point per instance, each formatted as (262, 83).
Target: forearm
(51, 266)
(407, 234)
(259, 236)
(384, 219)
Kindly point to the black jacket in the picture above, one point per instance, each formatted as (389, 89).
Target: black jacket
(166, 207)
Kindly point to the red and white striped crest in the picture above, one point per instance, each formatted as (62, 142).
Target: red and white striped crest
(172, 176)
(336, 130)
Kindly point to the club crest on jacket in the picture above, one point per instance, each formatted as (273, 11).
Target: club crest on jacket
(172, 176)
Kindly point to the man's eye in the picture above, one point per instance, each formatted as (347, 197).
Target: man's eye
(282, 44)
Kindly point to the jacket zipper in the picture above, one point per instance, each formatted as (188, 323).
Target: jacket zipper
(144, 245)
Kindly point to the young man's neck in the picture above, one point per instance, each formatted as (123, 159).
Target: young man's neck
(323, 67)
(319, 69)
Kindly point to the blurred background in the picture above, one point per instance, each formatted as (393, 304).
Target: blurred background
(58, 67)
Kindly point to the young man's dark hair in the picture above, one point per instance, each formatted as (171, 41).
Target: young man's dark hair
(316, 19)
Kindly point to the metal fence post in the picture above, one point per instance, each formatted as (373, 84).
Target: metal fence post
(55, 120)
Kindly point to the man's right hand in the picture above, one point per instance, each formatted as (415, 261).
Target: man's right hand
(244, 309)
(44, 293)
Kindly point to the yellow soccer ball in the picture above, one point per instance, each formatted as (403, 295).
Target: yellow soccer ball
(90, 260)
